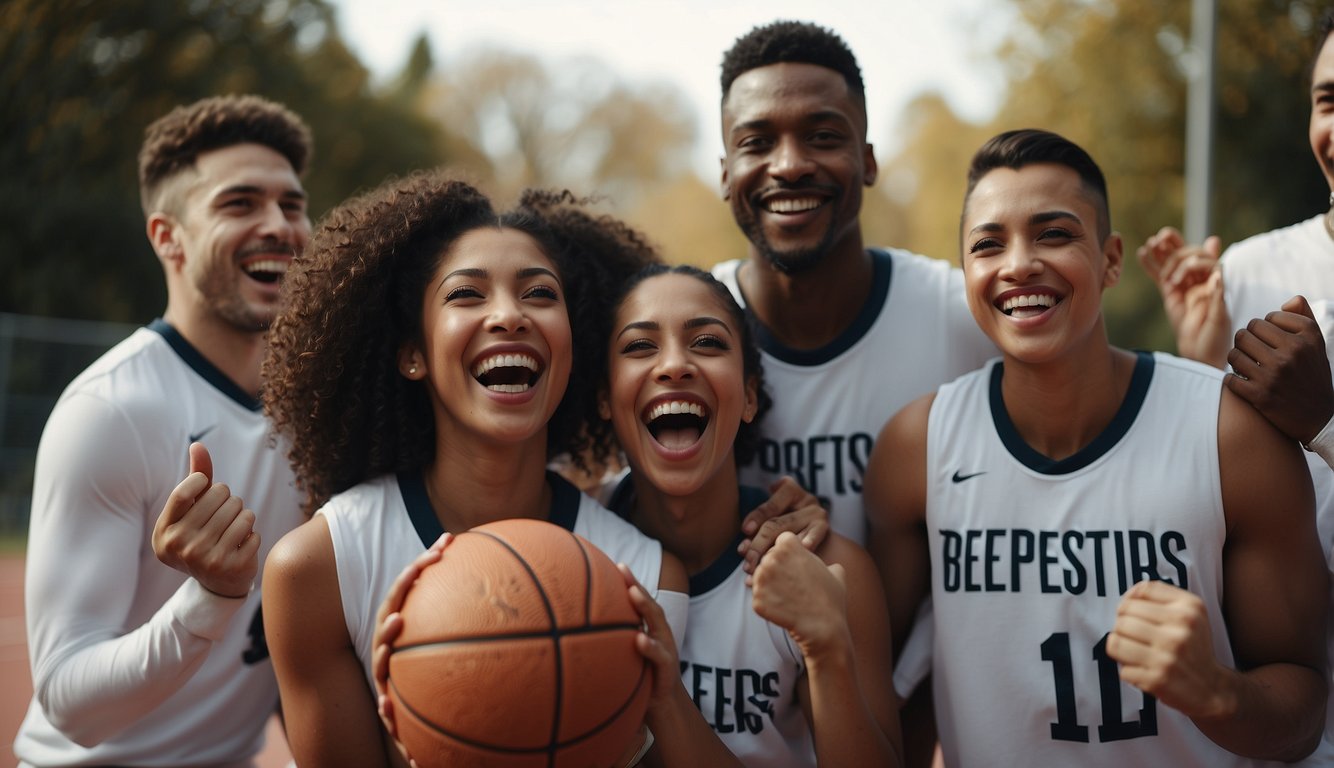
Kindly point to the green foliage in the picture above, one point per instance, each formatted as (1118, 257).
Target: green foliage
(79, 82)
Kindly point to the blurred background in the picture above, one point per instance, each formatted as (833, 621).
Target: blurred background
(617, 99)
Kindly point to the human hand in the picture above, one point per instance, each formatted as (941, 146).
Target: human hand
(1191, 285)
(789, 508)
(1163, 643)
(388, 626)
(205, 533)
(794, 589)
(1280, 367)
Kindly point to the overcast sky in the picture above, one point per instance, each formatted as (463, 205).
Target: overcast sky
(903, 47)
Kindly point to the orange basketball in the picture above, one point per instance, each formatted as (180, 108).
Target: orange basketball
(517, 650)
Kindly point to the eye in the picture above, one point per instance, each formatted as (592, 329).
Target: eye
(985, 244)
(637, 346)
(1058, 234)
(709, 341)
(544, 292)
(238, 203)
(462, 292)
(826, 136)
(754, 143)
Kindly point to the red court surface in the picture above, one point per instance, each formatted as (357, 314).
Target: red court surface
(16, 685)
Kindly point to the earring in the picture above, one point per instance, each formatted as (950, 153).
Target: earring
(412, 370)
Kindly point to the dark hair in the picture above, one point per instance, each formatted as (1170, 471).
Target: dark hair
(747, 436)
(1323, 28)
(354, 296)
(1029, 146)
(174, 141)
(796, 42)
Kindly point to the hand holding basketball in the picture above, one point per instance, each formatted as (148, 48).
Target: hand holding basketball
(1162, 640)
(204, 532)
(517, 648)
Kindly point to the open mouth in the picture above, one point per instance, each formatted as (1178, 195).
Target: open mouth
(676, 424)
(266, 270)
(791, 205)
(507, 374)
(1028, 305)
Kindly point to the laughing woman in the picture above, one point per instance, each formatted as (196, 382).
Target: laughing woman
(796, 670)
(424, 373)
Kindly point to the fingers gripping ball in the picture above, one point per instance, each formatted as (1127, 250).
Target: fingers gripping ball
(517, 650)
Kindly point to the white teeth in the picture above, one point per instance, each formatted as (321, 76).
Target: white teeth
(789, 205)
(277, 266)
(505, 361)
(674, 406)
(1034, 300)
(509, 389)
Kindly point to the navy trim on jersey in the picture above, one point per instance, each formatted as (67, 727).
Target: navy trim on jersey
(200, 365)
(1120, 424)
(564, 505)
(718, 571)
(882, 267)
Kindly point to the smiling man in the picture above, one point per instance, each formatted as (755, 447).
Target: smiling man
(849, 335)
(144, 626)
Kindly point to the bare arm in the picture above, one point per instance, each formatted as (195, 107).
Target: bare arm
(1272, 705)
(895, 498)
(833, 608)
(328, 708)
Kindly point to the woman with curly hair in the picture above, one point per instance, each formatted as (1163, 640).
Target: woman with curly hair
(424, 372)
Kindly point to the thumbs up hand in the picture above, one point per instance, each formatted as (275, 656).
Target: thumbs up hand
(205, 532)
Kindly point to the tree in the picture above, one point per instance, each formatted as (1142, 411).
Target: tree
(570, 124)
(79, 82)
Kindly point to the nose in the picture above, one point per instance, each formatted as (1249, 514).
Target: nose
(1020, 262)
(674, 364)
(276, 223)
(790, 161)
(507, 314)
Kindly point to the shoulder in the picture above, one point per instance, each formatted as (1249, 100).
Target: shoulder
(304, 555)
(911, 421)
(1265, 244)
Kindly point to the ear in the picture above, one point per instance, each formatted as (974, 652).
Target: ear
(872, 169)
(752, 399)
(604, 404)
(411, 362)
(164, 235)
(1113, 252)
(725, 188)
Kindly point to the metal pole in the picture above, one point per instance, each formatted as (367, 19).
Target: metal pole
(1200, 120)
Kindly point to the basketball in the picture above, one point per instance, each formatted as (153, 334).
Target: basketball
(518, 649)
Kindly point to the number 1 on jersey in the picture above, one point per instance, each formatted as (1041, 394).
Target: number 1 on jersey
(1056, 649)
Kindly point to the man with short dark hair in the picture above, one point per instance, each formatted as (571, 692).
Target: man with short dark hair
(142, 590)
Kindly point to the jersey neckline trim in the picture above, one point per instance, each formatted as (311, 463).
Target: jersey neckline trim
(622, 502)
(200, 365)
(882, 265)
(564, 505)
(1104, 442)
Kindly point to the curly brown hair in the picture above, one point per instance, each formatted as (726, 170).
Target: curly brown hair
(174, 141)
(332, 385)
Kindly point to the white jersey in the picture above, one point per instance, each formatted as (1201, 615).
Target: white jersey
(1030, 558)
(1259, 274)
(741, 670)
(133, 663)
(379, 527)
(914, 333)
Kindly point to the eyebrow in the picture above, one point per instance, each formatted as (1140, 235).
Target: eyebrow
(1038, 218)
(822, 116)
(484, 274)
(652, 325)
(252, 189)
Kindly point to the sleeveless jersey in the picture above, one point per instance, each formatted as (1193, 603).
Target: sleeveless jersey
(914, 333)
(134, 655)
(382, 525)
(1030, 558)
(1259, 274)
(740, 669)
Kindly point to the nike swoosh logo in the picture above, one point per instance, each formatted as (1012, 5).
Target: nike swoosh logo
(195, 436)
(959, 478)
